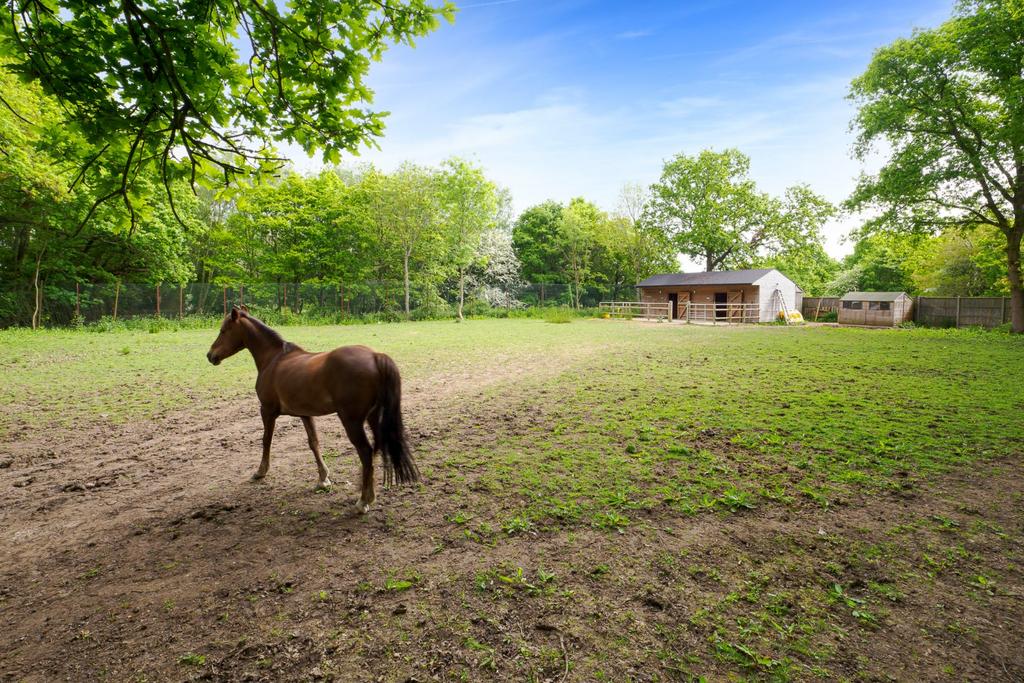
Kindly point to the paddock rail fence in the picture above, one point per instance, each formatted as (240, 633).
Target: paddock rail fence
(686, 311)
(635, 309)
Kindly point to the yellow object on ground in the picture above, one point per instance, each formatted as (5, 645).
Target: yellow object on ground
(794, 316)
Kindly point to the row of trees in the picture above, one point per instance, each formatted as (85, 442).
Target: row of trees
(582, 246)
(420, 224)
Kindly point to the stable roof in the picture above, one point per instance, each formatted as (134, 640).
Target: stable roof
(872, 296)
(717, 277)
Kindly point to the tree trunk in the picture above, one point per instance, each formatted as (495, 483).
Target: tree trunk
(36, 313)
(1013, 274)
(462, 290)
(710, 262)
(405, 269)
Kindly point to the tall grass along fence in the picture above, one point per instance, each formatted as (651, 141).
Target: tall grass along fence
(78, 303)
(931, 311)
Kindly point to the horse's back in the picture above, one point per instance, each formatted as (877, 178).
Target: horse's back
(356, 358)
(344, 380)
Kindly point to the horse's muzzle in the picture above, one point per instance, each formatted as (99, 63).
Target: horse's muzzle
(212, 358)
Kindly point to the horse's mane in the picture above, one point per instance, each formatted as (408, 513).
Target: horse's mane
(268, 331)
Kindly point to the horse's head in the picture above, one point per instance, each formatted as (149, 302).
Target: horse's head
(230, 340)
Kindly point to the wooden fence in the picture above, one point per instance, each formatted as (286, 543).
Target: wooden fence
(816, 306)
(961, 311)
(723, 313)
(636, 309)
(933, 311)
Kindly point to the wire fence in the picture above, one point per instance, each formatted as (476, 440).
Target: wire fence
(71, 303)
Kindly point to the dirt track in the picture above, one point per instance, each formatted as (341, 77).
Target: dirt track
(126, 550)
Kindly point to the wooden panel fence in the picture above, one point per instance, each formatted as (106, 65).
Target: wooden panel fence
(816, 306)
(961, 311)
(933, 311)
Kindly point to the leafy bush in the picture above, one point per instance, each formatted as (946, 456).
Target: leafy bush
(558, 315)
(433, 307)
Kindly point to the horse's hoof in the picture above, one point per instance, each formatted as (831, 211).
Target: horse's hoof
(362, 508)
(258, 476)
(325, 485)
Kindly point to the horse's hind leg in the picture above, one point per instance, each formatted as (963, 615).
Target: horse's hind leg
(314, 445)
(374, 420)
(357, 435)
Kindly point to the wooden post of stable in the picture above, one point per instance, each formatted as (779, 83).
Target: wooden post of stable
(117, 295)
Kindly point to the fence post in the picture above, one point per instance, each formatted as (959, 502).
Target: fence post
(1005, 319)
(181, 301)
(158, 301)
(78, 302)
(917, 309)
(241, 295)
(225, 299)
(341, 298)
(542, 294)
(957, 311)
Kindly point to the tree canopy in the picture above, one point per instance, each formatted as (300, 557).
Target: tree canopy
(946, 105)
(206, 87)
(711, 209)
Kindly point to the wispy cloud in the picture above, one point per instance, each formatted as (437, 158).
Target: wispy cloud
(488, 4)
(633, 35)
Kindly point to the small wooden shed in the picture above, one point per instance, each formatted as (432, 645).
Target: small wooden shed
(884, 309)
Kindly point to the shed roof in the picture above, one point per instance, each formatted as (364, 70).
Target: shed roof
(872, 296)
(718, 277)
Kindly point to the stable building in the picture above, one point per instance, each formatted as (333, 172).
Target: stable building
(748, 296)
(883, 309)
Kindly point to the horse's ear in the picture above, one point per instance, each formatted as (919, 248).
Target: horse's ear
(243, 308)
(234, 313)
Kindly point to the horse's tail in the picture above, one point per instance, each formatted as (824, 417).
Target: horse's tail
(389, 433)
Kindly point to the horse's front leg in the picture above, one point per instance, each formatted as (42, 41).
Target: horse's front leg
(269, 419)
(314, 445)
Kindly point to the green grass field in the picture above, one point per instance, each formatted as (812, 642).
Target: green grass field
(750, 502)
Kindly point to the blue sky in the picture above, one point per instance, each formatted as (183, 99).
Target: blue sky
(565, 98)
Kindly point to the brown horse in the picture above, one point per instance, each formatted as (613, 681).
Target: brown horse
(355, 382)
